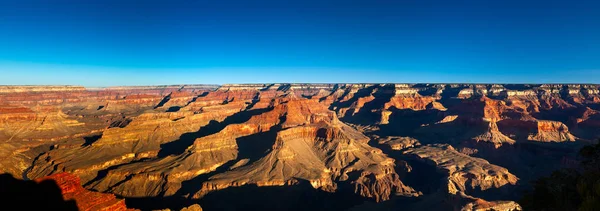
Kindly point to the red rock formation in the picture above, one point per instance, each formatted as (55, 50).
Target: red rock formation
(464, 172)
(552, 131)
(149, 141)
(71, 189)
(323, 154)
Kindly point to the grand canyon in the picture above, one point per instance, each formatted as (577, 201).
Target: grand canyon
(294, 146)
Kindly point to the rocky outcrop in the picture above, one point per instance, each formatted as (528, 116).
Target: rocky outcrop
(483, 205)
(492, 135)
(70, 188)
(314, 146)
(191, 141)
(327, 155)
(552, 131)
(465, 173)
(399, 143)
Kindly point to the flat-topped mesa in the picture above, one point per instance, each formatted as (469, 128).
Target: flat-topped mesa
(552, 131)
(465, 173)
(22, 89)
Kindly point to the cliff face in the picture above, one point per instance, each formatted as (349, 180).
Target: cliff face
(352, 142)
(71, 189)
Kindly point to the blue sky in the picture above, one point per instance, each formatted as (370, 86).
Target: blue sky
(126, 42)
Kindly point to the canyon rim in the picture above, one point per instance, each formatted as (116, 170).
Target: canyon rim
(294, 146)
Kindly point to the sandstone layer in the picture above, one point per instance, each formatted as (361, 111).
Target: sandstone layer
(178, 145)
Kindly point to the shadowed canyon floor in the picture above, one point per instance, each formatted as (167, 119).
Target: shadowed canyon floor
(298, 146)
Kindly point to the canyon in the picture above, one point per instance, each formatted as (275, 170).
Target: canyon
(296, 146)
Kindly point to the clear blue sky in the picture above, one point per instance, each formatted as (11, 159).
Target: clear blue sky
(125, 42)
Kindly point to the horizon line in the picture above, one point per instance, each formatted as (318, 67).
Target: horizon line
(309, 83)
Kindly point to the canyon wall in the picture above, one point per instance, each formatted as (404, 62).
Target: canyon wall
(471, 146)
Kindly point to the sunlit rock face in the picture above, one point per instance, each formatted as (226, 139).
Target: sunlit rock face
(466, 146)
(464, 172)
(71, 190)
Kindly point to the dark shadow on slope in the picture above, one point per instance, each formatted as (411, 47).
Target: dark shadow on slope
(528, 161)
(519, 87)
(405, 122)
(366, 115)
(429, 91)
(335, 88)
(255, 100)
(557, 114)
(588, 129)
(595, 106)
(284, 87)
(173, 108)
(17, 194)
(298, 197)
(195, 98)
(360, 93)
(267, 87)
(120, 122)
(517, 129)
(449, 96)
(255, 146)
(163, 101)
(102, 173)
(301, 196)
(422, 177)
(252, 147)
(89, 140)
(187, 139)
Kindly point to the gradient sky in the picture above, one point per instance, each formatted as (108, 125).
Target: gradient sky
(145, 42)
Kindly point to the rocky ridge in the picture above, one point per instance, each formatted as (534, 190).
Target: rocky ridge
(358, 140)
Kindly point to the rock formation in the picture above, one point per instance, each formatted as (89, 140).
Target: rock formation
(70, 188)
(176, 145)
(465, 173)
